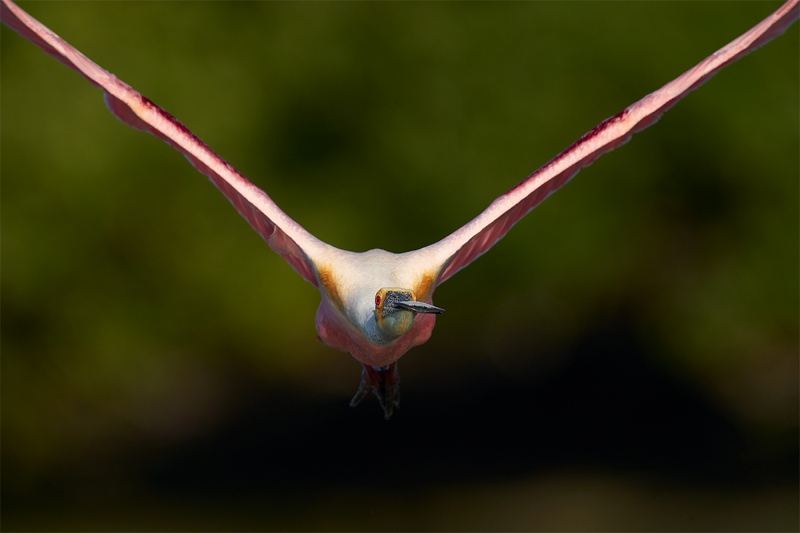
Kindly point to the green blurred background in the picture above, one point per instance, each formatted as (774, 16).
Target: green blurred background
(627, 358)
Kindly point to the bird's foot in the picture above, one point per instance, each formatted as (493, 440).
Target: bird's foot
(384, 382)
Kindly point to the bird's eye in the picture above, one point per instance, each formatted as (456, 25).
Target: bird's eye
(377, 300)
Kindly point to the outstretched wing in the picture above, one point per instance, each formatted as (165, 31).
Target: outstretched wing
(466, 244)
(283, 234)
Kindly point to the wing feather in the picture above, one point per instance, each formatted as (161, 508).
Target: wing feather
(466, 244)
(285, 236)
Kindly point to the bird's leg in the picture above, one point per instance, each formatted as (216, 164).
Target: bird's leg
(384, 382)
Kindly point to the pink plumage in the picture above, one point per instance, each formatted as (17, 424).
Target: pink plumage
(349, 317)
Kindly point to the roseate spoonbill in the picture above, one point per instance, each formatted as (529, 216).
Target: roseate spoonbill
(377, 305)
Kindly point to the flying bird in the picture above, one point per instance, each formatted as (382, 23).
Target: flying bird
(377, 305)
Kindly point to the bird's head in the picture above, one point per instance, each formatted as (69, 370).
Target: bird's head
(396, 308)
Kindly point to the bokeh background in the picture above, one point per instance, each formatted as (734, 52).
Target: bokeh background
(627, 358)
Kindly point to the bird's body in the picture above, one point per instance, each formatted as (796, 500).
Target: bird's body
(377, 305)
(350, 286)
(346, 318)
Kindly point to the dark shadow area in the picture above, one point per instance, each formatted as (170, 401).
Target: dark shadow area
(611, 408)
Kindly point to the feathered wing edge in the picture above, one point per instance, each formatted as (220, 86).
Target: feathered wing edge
(466, 244)
(460, 248)
(284, 235)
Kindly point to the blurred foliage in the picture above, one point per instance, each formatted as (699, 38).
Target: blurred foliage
(134, 298)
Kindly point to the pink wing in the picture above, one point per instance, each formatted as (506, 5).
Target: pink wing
(283, 234)
(466, 244)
